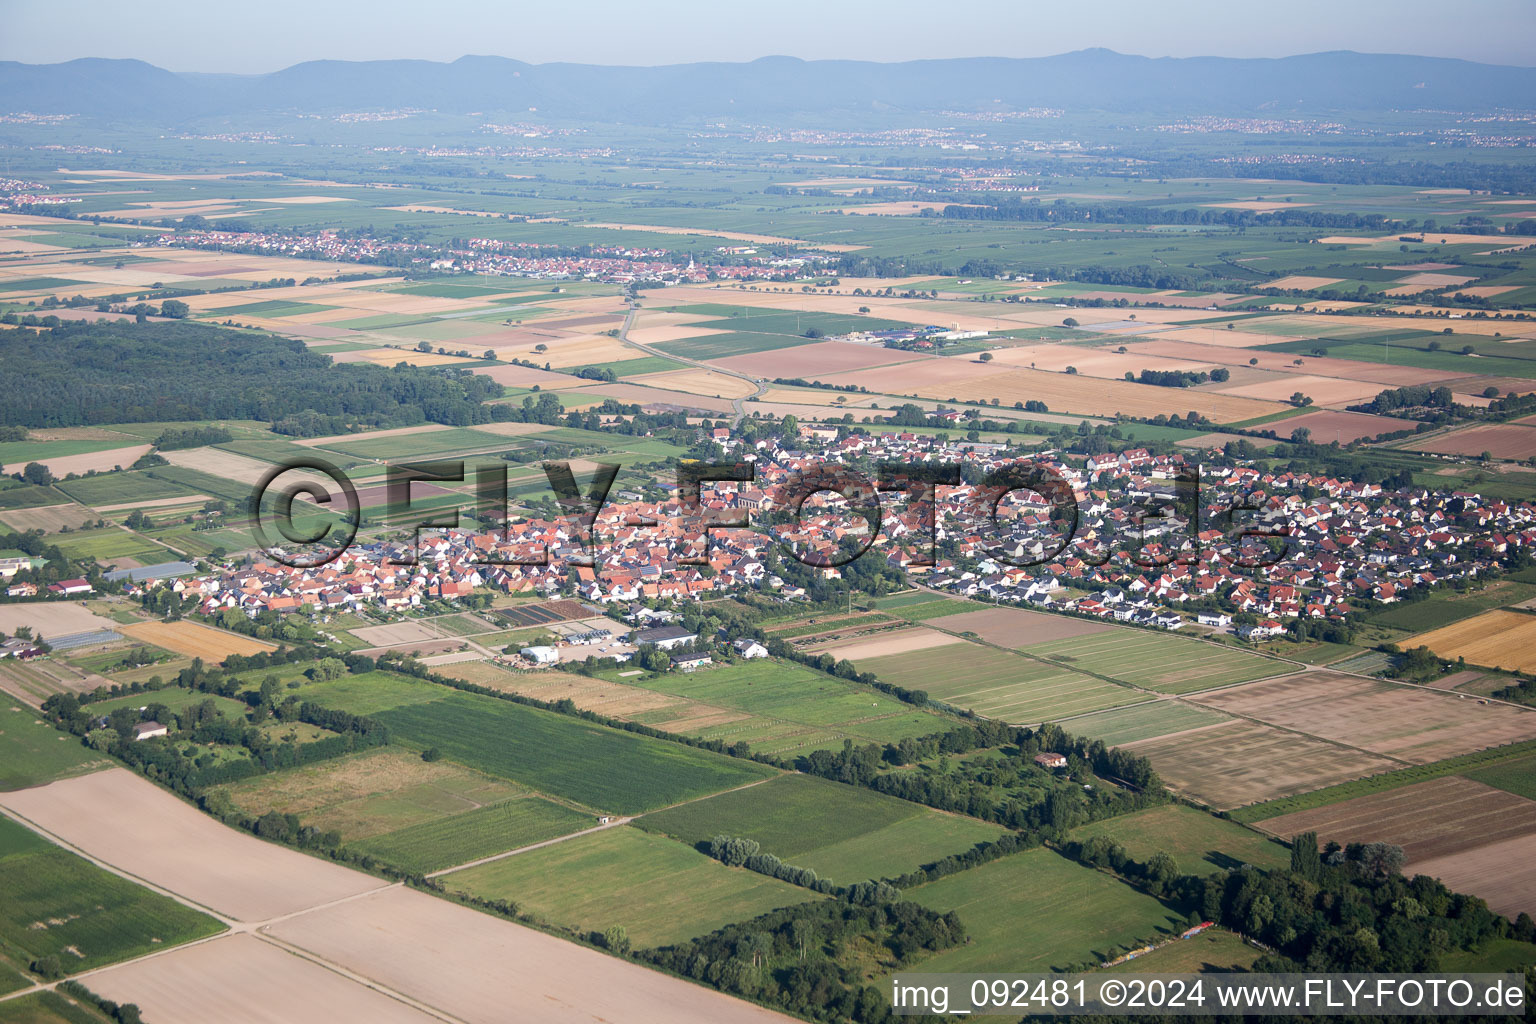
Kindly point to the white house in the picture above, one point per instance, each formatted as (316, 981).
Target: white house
(749, 649)
(1214, 619)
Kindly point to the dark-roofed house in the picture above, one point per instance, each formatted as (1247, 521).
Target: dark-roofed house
(664, 637)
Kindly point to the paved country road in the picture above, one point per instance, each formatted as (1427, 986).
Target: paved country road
(738, 405)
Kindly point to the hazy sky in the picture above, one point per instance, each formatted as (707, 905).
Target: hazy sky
(199, 35)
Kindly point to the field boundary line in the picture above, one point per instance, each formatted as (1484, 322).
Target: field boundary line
(357, 979)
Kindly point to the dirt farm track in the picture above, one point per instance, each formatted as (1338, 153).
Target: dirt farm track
(311, 942)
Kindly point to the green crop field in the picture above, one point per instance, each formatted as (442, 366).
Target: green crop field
(101, 918)
(1157, 718)
(922, 611)
(841, 832)
(1167, 664)
(660, 891)
(33, 752)
(47, 1007)
(1517, 776)
(1448, 606)
(998, 684)
(1200, 842)
(428, 442)
(121, 488)
(108, 543)
(736, 343)
(461, 838)
(794, 709)
(173, 697)
(591, 764)
(1039, 911)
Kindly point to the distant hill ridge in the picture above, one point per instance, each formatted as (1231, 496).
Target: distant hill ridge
(1085, 80)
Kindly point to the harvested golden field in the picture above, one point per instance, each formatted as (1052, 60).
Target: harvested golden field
(1496, 639)
(1063, 392)
(698, 382)
(1301, 282)
(1324, 391)
(1095, 362)
(810, 361)
(194, 639)
(391, 356)
(104, 461)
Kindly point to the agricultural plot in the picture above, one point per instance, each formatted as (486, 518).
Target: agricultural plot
(45, 1007)
(1516, 776)
(1427, 819)
(884, 644)
(841, 832)
(1242, 762)
(417, 815)
(32, 752)
(224, 980)
(195, 640)
(126, 820)
(1039, 911)
(780, 708)
(1410, 724)
(482, 970)
(365, 693)
(661, 892)
(60, 905)
(461, 838)
(1157, 661)
(566, 758)
(1503, 873)
(1143, 722)
(998, 684)
(1474, 838)
(1502, 441)
(1497, 639)
(1198, 841)
(1018, 627)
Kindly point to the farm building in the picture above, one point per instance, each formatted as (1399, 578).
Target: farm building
(148, 731)
(76, 586)
(664, 637)
(540, 655)
(689, 662)
(1051, 760)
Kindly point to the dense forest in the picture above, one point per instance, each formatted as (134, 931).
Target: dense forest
(82, 374)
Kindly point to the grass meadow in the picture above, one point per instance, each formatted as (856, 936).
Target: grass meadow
(840, 832)
(1200, 842)
(1039, 911)
(660, 891)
